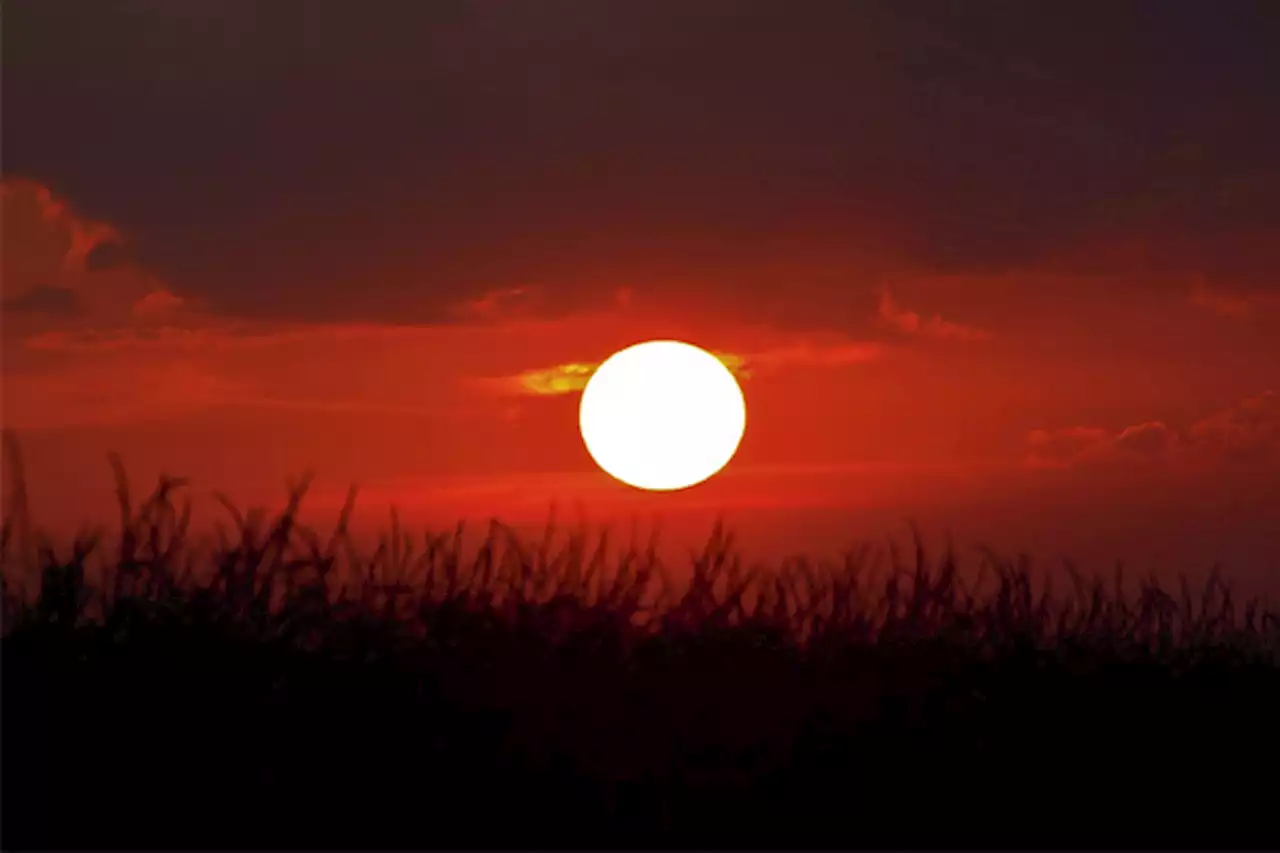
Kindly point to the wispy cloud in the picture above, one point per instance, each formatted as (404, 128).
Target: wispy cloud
(1052, 448)
(1233, 306)
(572, 377)
(1248, 431)
(911, 323)
(157, 304)
(52, 281)
(1250, 428)
(99, 392)
(44, 299)
(557, 379)
(106, 342)
(493, 304)
(807, 354)
(82, 236)
(218, 335)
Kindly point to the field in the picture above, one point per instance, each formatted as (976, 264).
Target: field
(273, 688)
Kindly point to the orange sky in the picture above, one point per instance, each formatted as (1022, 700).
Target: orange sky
(1004, 423)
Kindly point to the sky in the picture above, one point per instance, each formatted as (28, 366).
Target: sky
(1009, 269)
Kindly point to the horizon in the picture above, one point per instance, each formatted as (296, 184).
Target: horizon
(765, 537)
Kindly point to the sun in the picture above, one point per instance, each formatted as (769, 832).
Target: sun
(662, 415)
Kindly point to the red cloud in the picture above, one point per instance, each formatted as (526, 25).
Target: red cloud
(1222, 304)
(88, 342)
(909, 322)
(1233, 306)
(494, 304)
(48, 280)
(807, 354)
(1249, 430)
(1058, 447)
(81, 236)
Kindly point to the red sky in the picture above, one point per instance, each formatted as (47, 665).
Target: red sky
(976, 283)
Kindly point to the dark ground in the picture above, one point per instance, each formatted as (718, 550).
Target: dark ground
(177, 737)
(514, 701)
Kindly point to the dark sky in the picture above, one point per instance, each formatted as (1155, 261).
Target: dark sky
(272, 158)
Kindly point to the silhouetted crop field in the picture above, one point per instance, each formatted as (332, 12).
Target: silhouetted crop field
(275, 688)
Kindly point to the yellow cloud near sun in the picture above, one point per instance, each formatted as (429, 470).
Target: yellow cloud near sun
(573, 376)
(560, 379)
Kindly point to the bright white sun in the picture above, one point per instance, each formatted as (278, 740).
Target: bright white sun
(662, 415)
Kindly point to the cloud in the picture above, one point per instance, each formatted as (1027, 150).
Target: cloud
(83, 237)
(44, 299)
(807, 354)
(1153, 439)
(558, 379)
(129, 375)
(1233, 306)
(1051, 448)
(115, 392)
(571, 377)
(493, 304)
(911, 323)
(171, 339)
(106, 256)
(158, 303)
(567, 378)
(538, 302)
(92, 338)
(65, 272)
(1248, 431)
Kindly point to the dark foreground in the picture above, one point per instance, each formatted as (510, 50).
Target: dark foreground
(514, 701)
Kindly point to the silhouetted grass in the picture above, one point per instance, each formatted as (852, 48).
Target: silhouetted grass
(276, 688)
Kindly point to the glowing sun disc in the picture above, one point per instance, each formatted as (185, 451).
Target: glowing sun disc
(662, 415)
